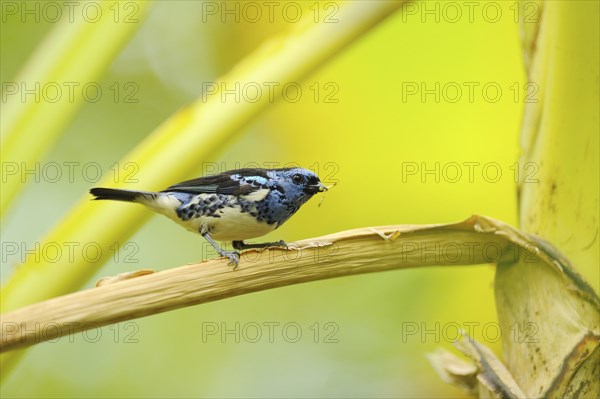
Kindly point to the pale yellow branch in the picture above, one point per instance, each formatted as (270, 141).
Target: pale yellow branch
(475, 241)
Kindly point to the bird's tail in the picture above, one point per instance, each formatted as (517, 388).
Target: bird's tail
(114, 194)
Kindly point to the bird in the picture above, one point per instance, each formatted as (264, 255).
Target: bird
(235, 205)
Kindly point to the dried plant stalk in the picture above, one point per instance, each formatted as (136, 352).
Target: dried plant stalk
(351, 252)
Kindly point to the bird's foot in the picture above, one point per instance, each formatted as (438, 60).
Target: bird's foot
(280, 244)
(234, 258)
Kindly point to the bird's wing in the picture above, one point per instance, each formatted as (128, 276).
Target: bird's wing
(235, 182)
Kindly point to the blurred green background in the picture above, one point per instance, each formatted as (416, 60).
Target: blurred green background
(363, 139)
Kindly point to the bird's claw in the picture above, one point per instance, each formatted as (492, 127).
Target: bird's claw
(281, 244)
(234, 258)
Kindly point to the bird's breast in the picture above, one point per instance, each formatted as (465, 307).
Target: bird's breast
(233, 224)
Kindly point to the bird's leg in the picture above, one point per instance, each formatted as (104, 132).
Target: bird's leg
(241, 245)
(233, 256)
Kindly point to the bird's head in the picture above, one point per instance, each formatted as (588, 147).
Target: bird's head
(297, 183)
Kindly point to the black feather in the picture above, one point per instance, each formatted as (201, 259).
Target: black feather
(221, 183)
(114, 194)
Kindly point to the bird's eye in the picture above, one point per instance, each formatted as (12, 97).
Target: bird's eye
(298, 179)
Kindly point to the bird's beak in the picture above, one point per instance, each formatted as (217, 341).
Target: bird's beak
(317, 188)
